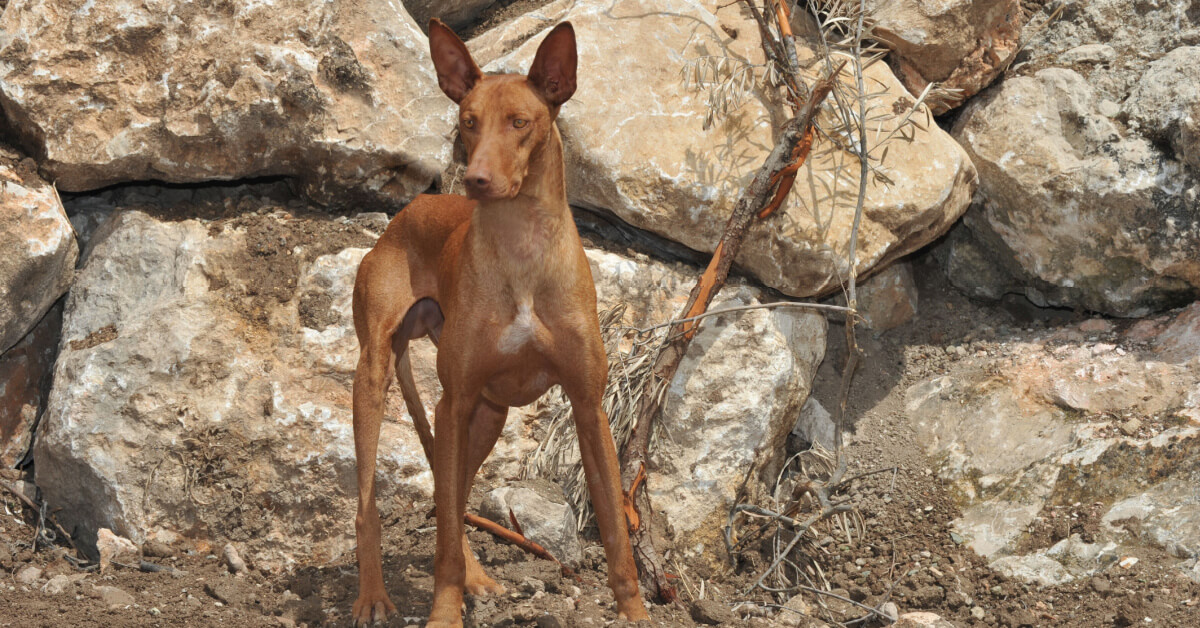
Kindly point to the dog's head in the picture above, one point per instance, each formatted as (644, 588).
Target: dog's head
(506, 118)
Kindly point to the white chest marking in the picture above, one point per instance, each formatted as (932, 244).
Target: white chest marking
(519, 332)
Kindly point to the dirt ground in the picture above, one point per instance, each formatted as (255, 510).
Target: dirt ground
(907, 554)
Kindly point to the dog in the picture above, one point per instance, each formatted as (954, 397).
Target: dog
(499, 281)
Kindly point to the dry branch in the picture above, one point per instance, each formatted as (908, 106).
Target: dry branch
(499, 531)
(761, 193)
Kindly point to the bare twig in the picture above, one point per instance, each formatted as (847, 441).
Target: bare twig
(517, 539)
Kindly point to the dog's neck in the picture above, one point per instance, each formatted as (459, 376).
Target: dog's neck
(528, 223)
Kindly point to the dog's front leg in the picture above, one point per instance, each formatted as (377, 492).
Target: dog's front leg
(450, 496)
(584, 385)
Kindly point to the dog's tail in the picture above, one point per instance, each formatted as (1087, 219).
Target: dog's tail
(412, 399)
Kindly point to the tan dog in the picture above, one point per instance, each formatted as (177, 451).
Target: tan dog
(500, 282)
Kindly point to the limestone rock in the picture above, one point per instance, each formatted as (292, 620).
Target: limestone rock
(636, 146)
(25, 370)
(1079, 204)
(37, 248)
(203, 389)
(1043, 435)
(959, 44)
(340, 95)
(731, 404)
(1166, 103)
(815, 425)
(112, 547)
(29, 575)
(542, 512)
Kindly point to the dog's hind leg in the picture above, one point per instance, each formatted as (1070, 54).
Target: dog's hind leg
(379, 305)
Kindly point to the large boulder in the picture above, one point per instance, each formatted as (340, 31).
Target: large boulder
(959, 44)
(636, 145)
(731, 405)
(340, 95)
(1088, 428)
(1088, 190)
(203, 389)
(37, 248)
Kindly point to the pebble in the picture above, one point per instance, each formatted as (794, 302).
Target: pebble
(56, 585)
(29, 575)
(890, 610)
(112, 596)
(978, 613)
(232, 560)
(1128, 562)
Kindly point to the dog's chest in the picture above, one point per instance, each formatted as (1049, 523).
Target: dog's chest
(520, 332)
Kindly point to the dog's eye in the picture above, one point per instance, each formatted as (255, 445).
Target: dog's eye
(469, 123)
(519, 123)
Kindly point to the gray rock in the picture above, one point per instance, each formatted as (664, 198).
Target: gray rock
(542, 512)
(1166, 103)
(815, 425)
(37, 249)
(1076, 209)
(225, 346)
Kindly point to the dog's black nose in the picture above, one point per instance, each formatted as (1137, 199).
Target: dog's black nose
(478, 181)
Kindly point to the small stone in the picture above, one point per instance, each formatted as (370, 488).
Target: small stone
(531, 586)
(56, 585)
(29, 575)
(922, 620)
(957, 538)
(154, 611)
(154, 549)
(890, 610)
(712, 613)
(795, 612)
(1128, 562)
(550, 621)
(1130, 427)
(112, 596)
(219, 591)
(112, 547)
(232, 560)
(978, 613)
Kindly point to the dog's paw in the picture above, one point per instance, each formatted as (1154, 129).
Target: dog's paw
(370, 608)
(481, 584)
(633, 611)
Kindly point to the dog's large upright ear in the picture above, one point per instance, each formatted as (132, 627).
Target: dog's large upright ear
(456, 70)
(553, 70)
